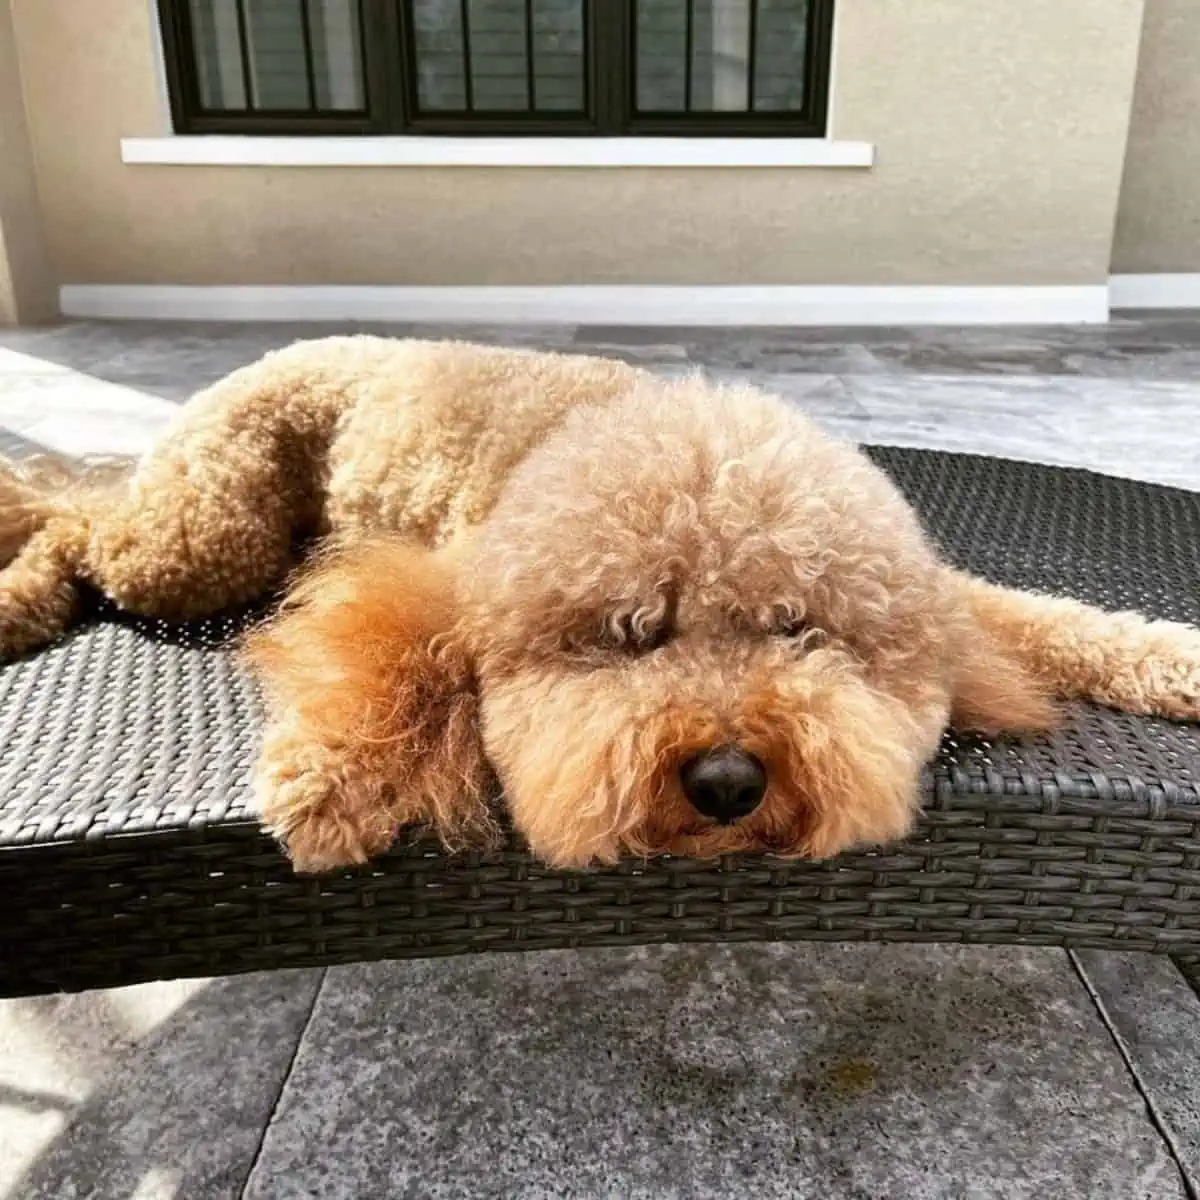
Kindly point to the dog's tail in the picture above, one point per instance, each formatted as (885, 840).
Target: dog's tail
(46, 505)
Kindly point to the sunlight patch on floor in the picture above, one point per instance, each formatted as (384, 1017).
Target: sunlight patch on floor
(69, 412)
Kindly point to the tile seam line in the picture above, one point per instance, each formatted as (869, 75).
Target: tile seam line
(1193, 984)
(287, 1075)
(1156, 1118)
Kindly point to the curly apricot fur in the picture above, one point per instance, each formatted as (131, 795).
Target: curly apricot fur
(571, 573)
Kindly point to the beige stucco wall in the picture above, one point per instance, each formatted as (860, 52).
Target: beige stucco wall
(27, 288)
(1000, 145)
(1158, 227)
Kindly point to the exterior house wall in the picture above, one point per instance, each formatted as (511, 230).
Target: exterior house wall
(27, 290)
(1158, 227)
(1000, 145)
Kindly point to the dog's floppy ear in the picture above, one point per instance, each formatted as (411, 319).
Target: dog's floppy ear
(373, 712)
(995, 687)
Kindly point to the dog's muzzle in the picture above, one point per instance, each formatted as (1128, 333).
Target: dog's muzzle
(724, 783)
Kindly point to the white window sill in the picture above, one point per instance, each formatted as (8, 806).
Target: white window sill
(229, 151)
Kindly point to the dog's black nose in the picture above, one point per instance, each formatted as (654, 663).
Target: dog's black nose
(725, 783)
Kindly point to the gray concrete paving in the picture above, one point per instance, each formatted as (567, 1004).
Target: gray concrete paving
(1154, 1017)
(155, 1092)
(691, 1072)
(1060, 396)
(833, 1072)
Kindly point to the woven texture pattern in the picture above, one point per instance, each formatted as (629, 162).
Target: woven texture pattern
(127, 851)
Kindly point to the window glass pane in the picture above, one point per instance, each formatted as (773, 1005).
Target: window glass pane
(438, 33)
(218, 54)
(511, 56)
(293, 56)
(700, 55)
(337, 54)
(558, 67)
(504, 60)
(721, 56)
(661, 33)
(781, 43)
(498, 63)
(275, 37)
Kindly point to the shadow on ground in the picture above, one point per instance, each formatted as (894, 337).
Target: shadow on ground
(179, 1113)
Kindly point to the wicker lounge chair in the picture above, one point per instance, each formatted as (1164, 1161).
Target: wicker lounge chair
(126, 851)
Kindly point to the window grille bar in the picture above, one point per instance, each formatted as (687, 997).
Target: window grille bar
(244, 50)
(752, 59)
(689, 38)
(468, 83)
(364, 67)
(310, 73)
(530, 81)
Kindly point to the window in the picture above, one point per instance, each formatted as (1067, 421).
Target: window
(546, 67)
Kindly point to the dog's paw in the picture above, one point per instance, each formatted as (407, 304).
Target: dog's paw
(322, 841)
(36, 606)
(322, 824)
(1174, 690)
(1163, 678)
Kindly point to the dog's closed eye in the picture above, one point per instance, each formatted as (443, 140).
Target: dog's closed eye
(630, 631)
(794, 625)
(782, 619)
(637, 632)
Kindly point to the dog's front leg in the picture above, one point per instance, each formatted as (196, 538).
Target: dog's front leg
(372, 712)
(1119, 659)
(327, 808)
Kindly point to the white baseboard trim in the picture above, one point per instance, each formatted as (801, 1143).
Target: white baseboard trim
(596, 305)
(1155, 291)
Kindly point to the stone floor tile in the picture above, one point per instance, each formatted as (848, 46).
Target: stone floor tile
(833, 1072)
(1155, 1016)
(155, 1092)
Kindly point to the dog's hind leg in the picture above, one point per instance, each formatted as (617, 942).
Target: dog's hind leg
(187, 544)
(211, 516)
(43, 542)
(38, 596)
(207, 520)
(1080, 652)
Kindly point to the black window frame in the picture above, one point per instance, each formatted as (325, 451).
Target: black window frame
(389, 81)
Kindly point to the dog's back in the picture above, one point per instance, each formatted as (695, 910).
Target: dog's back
(340, 436)
(437, 430)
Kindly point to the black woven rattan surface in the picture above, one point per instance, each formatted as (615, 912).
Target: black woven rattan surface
(127, 853)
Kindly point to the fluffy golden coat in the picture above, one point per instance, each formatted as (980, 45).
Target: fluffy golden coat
(576, 577)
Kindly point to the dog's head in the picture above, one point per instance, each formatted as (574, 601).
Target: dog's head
(699, 626)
